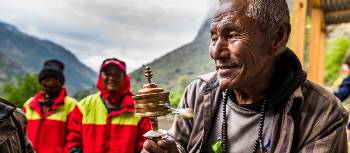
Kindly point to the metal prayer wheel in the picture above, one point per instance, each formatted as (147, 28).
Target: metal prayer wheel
(152, 101)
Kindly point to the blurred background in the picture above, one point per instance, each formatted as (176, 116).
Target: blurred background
(171, 36)
(82, 33)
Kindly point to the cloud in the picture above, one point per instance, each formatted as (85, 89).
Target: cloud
(132, 30)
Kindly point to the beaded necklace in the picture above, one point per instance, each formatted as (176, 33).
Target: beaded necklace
(223, 146)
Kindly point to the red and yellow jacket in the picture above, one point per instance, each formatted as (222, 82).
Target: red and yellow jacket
(48, 132)
(99, 130)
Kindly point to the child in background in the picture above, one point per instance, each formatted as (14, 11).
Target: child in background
(343, 91)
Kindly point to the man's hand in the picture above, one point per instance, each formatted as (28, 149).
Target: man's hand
(162, 146)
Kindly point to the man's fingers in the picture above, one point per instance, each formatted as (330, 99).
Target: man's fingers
(164, 144)
(151, 147)
(168, 144)
(161, 146)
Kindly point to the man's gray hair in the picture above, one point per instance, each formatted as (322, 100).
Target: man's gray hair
(268, 12)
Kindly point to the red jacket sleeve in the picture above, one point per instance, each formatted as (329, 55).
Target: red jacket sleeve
(74, 129)
(143, 127)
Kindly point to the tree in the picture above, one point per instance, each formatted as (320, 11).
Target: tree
(175, 96)
(338, 49)
(22, 89)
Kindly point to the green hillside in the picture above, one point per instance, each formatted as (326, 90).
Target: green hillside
(180, 66)
(22, 54)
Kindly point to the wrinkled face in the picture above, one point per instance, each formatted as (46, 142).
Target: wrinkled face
(112, 78)
(51, 84)
(238, 47)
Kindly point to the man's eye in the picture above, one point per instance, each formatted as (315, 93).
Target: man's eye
(214, 38)
(233, 34)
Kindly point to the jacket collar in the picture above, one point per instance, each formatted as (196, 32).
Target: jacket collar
(57, 102)
(295, 100)
(296, 79)
(6, 108)
(125, 106)
(211, 82)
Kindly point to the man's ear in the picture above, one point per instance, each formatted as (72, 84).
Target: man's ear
(280, 38)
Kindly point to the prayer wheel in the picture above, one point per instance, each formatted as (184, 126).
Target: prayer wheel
(152, 101)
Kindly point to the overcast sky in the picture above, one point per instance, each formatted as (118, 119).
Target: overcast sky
(136, 31)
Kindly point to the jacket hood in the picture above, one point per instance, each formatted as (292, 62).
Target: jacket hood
(288, 76)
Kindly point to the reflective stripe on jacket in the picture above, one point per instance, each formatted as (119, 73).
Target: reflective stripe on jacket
(48, 132)
(99, 131)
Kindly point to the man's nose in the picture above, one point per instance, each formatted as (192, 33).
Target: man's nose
(111, 77)
(50, 82)
(219, 50)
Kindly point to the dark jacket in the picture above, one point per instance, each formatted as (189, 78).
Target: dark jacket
(344, 89)
(309, 119)
(12, 130)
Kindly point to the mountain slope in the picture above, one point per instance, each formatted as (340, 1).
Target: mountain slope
(22, 54)
(182, 64)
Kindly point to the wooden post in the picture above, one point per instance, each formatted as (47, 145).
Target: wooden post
(297, 41)
(317, 43)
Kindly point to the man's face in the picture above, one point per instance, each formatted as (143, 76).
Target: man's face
(112, 78)
(345, 70)
(238, 47)
(51, 84)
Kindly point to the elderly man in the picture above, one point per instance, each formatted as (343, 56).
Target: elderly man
(258, 100)
(343, 91)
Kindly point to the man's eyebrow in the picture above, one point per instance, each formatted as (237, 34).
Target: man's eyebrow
(223, 28)
(228, 27)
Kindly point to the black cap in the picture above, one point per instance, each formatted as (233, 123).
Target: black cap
(53, 68)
